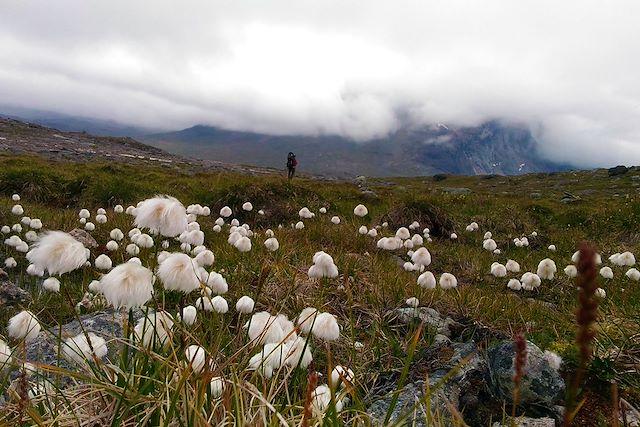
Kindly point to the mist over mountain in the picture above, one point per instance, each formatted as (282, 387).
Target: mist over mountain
(492, 148)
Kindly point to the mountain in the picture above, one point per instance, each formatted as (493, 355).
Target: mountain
(70, 123)
(491, 148)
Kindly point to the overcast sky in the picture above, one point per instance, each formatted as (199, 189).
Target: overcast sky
(569, 69)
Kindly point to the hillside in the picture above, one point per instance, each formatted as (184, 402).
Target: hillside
(492, 148)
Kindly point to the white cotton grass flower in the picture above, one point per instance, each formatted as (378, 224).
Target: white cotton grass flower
(514, 284)
(606, 272)
(79, 350)
(307, 319)
(335, 220)
(204, 303)
(16, 228)
(35, 224)
(34, 270)
(299, 225)
(24, 326)
(553, 359)
(341, 375)
(417, 240)
(298, 353)
(101, 219)
(448, 281)
(235, 222)
(512, 266)
(112, 246)
(51, 284)
(127, 285)
(323, 210)
(498, 270)
(5, 229)
(22, 247)
(360, 210)
(196, 357)
(413, 302)
(530, 281)
(243, 244)
(408, 244)
(453, 236)
(15, 197)
(372, 233)
(226, 212)
(137, 261)
(490, 245)
(31, 236)
(571, 271)
(143, 240)
(154, 329)
(265, 328)
(103, 262)
(118, 209)
(188, 315)
(487, 235)
(552, 248)
(269, 359)
(25, 221)
(57, 252)
(245, 305)
(17, 210)
(421, 257)
(576, 256)
(162, 214)
(10, 263)
(326, 327)
(427, 280)
(409, 266)
(216, 386)
(633, 274)
(133, 249)
(219, 304)
(414, 225)
(89, 226)
(497, 252)
(600, 293)
(217, 283)
(389, 243)
(247, 206)
(321, 400)
(403, 233)
(5, 355)
(305, 213)
(217, 228)
(179, 272)
(131, 210)
(626, 259)
(205, 258)
(272, 244)
(323, 266)
(546, 269)
(94, 287)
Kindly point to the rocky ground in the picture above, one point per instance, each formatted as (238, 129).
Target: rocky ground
(22, 138)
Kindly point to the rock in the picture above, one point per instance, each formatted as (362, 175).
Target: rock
(10, 294)
(541, 383)
(569, 198)
(84, 237)
(535, 195)
(439, 177)
(618, 170)
(108, 324)
(443, 325)
(526, 422)
(629, 416)
(455, 190)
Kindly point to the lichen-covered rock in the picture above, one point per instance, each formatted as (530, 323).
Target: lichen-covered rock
(10, 293)
(526, 422)
(541, 383)
(84, 237)
(433, 319)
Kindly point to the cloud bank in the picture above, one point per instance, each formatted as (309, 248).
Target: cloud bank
(359, 69)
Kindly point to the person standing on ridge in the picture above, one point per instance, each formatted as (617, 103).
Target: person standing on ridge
(291, 164)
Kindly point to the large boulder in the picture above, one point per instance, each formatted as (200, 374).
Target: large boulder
(541, 383)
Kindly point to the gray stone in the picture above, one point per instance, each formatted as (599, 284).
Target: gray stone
(84, 237)
(629, 416)
(535, 195)
(526, 422)
(107, 324)
(569, 198)
(10, 294)
(455, 190)
(541, 383)
(433, 319)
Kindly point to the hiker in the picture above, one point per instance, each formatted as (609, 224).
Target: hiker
(291, 164)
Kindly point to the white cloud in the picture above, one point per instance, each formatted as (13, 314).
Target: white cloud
(360, 69)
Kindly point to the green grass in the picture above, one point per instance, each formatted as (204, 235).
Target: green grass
(370, 282)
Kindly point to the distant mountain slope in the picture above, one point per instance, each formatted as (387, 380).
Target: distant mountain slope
(492, 148)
